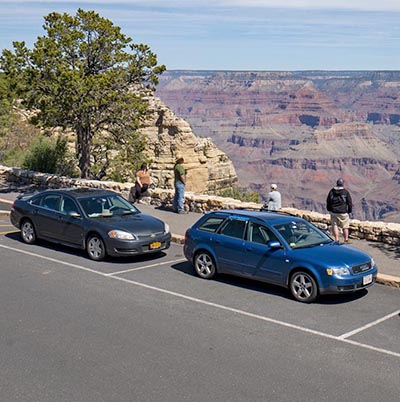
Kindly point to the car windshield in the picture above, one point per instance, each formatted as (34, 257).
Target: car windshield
(106, 206)
(302, 234)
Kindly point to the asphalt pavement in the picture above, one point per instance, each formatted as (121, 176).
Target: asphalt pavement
(386, 256)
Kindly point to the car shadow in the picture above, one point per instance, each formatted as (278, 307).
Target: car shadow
(82, 253)
(236, 281)
(275, 290)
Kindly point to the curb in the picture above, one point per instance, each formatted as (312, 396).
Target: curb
(388, 280)
(2, 212)
(179, 239)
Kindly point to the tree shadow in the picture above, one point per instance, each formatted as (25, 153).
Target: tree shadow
(390, 250)
(21, 189)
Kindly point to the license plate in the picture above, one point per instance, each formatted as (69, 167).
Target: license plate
(157, 244)
(367, 279)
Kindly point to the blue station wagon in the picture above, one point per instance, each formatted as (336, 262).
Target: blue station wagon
(277, 248)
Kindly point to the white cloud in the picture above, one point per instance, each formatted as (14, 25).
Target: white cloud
(366, 5)
(380, 5)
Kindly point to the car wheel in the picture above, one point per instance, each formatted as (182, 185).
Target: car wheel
(95, 248)
(303, 287)
(28, 233)
(204, 265)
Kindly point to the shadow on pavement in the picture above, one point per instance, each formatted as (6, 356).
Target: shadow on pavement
(263, 287)
(390, 250)
(43, 244)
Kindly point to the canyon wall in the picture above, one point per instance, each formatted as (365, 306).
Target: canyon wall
(209, 170)
(301, 130)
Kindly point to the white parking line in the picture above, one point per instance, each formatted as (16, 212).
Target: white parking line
(145, 267)
(371, 324)
(211, 304)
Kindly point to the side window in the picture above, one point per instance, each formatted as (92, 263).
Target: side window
(68, 205)
(260, 234)
(51, 201)
(36, 201)
(234, 228)
(211, 224)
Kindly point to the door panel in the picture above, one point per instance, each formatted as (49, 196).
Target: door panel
(229, 245)
(262, 261)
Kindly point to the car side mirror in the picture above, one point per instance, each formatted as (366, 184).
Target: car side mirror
(274, 244)
(74, 214)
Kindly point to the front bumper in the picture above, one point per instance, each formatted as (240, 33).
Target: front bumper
(349, 284)
(116, 247)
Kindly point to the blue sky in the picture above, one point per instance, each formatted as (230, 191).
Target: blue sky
(237, 34)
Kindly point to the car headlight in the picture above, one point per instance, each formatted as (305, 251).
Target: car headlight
(338, 271)
(372, 262)
(121, 235)
(166, 227)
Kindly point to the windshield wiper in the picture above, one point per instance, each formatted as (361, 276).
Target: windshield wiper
(312, 245)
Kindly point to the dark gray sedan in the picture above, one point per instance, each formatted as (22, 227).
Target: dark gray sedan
(100, 221)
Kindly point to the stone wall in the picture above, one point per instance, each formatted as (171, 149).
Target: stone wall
(388, 233)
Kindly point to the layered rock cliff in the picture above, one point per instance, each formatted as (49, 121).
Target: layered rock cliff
(209, 170)
(302, 130)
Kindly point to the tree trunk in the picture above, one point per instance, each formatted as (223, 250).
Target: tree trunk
(83, 151)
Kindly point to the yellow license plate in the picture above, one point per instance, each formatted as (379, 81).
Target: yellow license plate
(155, 244)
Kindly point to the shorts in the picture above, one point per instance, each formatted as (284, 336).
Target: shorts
(340, 220)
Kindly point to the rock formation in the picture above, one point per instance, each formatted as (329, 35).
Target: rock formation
(209, 170)
(302, 130)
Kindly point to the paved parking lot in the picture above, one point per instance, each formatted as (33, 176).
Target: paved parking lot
(231, 323)
(171, 274)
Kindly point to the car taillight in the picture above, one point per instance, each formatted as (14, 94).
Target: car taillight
(186, 235)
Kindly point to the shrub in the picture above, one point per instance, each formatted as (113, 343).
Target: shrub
(48, 156)
(239, 193)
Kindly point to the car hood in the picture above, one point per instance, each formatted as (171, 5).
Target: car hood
(134, 223)
(332, 255)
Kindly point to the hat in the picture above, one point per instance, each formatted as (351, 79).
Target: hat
(179, 158)
(339, 182)
(274, 186)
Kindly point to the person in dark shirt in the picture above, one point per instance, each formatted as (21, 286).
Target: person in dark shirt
(179, 184)
(340, 205)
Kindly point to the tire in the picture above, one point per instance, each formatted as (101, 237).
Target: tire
(28, 232)
(303, 287)
(95, 248)
(204, 265)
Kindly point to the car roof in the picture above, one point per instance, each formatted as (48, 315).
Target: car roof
(78, 192)
(270, 217)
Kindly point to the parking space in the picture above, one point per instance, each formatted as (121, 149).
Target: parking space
(368, 319)
(5, 225)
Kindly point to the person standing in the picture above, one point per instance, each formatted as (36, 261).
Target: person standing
(340, 205)
(179, 184)
(143, 181)
(274, 199)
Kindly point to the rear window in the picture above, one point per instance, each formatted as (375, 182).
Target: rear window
(211, 224)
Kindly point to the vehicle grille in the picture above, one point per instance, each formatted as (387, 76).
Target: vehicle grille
(149, 236)
(362, 267)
